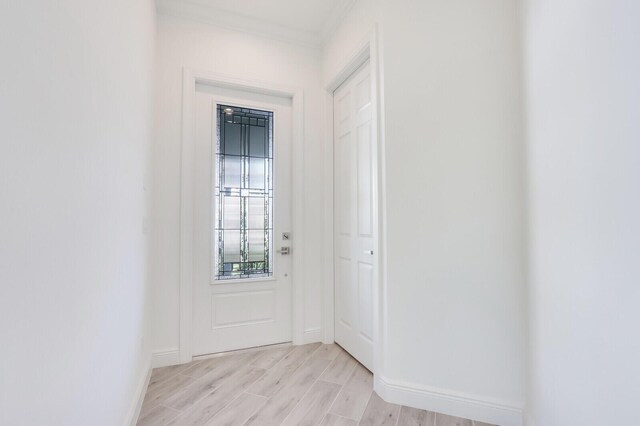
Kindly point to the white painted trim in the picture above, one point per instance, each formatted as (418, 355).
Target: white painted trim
(165, 357)
(190, 78)
(367, 50)
(221, 18)
(312, 335)
(297, 252)
(328, 326)
(503, 413)
(141, 389)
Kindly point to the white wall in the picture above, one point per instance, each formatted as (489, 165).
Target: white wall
(75, 125)
(583, 102)
(454, 146)
(348, 37)
(456, 319)
(182, 43)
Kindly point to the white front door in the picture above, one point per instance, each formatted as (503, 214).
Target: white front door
(242, 285)
(355, 231)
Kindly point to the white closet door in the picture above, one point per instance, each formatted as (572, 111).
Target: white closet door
(354, 216)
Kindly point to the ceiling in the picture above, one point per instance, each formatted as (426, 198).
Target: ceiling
(305, 21)
(296, 14)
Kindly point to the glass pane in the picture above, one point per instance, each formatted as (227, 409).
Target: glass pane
(243, 197)
(257, 213)
(257, 141)
(232, 172)
(256, 246)
(257, 175)
(231, 246)
(231, 212)
(232, 139)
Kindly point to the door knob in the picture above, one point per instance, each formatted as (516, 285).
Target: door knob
(368, 252)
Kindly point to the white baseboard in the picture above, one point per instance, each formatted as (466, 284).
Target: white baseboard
(312, 335)
(448, 402)
(165, 357)
(141, 389)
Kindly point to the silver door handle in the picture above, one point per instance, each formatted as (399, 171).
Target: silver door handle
(284, 250)
(368, 252)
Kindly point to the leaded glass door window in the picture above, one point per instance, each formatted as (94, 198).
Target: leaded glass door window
(243, 198)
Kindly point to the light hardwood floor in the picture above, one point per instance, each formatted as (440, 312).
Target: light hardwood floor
(287, 385)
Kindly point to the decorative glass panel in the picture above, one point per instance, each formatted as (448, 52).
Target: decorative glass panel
(243, 210)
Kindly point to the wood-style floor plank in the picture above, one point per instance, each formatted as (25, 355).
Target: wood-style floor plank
(444, 420)
(328, 351)
(206, 366)
(158, 415)
(340, 369)
(271, 357)
(380, 413)
(333, 420)
(163, 390)
(237, 413)
(277, 377)
(162, 373)
(416, 417)
(189, 395)
(315, 404)
(354, 396)
(285, 400)
(204, 410)
(287, 385)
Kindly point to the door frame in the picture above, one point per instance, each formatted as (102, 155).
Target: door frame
(187, 181)
(367, 50)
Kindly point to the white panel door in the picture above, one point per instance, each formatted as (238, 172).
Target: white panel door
(237, 313)
(354, 216)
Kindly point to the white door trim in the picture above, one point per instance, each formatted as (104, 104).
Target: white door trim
(190, 79)
(367, 50)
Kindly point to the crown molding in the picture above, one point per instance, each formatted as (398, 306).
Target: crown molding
(234, 21)
(335, 19)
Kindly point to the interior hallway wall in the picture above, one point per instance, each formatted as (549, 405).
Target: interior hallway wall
(456, 318)
(75, 130)
(183, 43)
(583, 104)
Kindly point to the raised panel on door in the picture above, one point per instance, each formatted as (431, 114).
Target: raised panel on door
(364, 183)
(365, 298)
(344, 315)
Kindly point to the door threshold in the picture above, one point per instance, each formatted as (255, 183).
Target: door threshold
(242, 351)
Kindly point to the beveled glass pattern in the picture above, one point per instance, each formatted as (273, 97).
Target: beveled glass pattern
(243, 210)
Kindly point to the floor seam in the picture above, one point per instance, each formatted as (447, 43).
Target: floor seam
(334, 399)
(283, 357)
(365, 407)
(214, 389)
(179, 372)
(312, 384)
(342, 385)
(255, 394)
(239, 394)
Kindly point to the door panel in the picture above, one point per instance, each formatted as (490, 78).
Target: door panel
(232, 313)
(355, 219)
